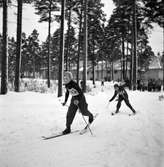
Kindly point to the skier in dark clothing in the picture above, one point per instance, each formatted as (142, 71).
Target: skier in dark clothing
(78, 101)
(122, 95)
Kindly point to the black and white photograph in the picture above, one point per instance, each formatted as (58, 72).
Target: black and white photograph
(81, 83)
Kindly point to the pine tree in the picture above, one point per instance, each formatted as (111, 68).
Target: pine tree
(18, 50)
(155, 11)
(85, 49)
(96, 20)
(61, 56)
(19, 42)
(4, 65)
(45, 9)
(129, 22)
(33, 49)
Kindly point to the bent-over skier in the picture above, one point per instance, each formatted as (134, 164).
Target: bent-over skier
(122, 95)
(78, 101)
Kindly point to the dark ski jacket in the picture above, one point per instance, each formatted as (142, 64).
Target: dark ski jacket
(73, 89)
(122, 94)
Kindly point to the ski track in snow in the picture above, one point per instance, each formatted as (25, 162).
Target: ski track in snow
(118, 140)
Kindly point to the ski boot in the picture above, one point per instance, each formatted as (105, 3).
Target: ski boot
(67, 130)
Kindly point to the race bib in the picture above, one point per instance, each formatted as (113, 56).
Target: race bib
(73, 92)
(121, 92)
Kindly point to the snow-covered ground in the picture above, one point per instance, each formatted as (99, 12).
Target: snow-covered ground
(118, 141)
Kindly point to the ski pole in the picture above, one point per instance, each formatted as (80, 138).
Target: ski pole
(87, 125)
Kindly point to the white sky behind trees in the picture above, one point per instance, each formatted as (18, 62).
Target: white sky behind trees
(30, 22)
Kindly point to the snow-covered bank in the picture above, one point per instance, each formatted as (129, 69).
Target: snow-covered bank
(118, 140)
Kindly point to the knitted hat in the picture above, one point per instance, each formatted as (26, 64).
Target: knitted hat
(69, 74)
(116, 85)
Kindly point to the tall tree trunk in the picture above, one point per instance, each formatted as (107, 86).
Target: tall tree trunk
(93, 67)
(121, 72)
(131, 68)
(93, 72)
(79, 45)
(69, 64)
(34, 67)
(68, 38)
(102, 70)
(134, 32)
(4, 65)
(163, 56)
(85, 45)
(106, 69)
(98, 74)
(126, 64)
(18, 49)
(61, 58)
(49, 43)
(112, 71)
(123, 57)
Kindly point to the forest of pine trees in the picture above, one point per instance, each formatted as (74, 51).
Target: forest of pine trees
(89, 37)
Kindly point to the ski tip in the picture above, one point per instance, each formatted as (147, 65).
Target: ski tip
(44, 138)
(112, 113)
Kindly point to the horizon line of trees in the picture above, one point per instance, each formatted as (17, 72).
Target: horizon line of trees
(89, 37)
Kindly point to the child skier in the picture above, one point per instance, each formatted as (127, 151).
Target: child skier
(78, 101)
(122, 95)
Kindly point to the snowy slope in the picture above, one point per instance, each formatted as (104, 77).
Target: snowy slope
(118, 141)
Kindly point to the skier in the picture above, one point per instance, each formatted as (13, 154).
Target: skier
(78, 101)
(102, 85)
(122, 95)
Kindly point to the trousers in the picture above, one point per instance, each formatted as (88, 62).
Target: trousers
(126, 102)
(83, 108)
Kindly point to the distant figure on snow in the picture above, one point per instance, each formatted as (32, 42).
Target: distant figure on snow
(122, 95)
(78, 101)
(102, 85)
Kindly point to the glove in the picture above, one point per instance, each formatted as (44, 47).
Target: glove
(64, 103)
(76, 102)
